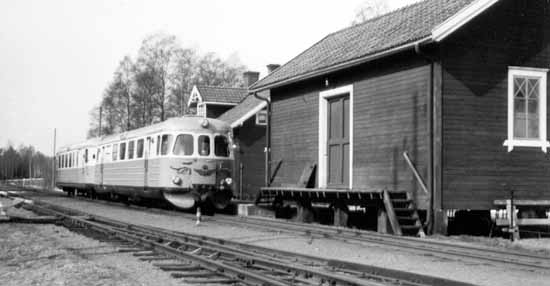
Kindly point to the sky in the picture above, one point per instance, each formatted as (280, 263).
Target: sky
(57, 56)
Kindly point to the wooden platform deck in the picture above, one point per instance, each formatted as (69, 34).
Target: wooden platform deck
(320, 195)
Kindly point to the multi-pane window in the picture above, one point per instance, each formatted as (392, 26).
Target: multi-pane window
(261, 117)
(526, 108)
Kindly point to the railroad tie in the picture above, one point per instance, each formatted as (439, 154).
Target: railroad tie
(144, 253)
(172, 266)
(128, 249)
(210, 281)
(153, 258)
(197, 274)
(185, 268)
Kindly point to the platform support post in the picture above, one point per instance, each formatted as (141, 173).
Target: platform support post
(440, 221)
(383, 223)
(341, 214)
(304, 211)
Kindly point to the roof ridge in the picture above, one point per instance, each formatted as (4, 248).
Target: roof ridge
(220, 87)
(391, 12)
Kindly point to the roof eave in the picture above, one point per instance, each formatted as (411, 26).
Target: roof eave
(342, 66)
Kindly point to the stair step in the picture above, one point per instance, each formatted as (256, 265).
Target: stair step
(406, 218)
(398, 195)
(401, 201)
(410, 227)
(403, 210)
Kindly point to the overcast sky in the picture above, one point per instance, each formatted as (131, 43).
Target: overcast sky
(57, 57)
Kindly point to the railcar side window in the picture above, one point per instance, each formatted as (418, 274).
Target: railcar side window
(122, 151)
(139, 148)
(86, 156)
(115, 152)
(166, 142)
(184, 145)
(158, 145)
(131, 149)
(204, 145)
(221, 146)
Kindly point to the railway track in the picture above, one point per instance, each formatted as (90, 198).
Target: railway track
(205, 260)
(527, 260)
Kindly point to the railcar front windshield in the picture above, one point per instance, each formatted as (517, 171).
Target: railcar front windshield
(221, 146)
(204, 145)
(165, 145)
(184, 145)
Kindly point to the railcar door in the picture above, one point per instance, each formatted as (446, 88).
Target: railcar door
(146, 152)
(338, 142)
(101, 158)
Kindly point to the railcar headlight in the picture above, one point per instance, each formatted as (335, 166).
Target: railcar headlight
(228, 181)
(176, 180)
(204, 123)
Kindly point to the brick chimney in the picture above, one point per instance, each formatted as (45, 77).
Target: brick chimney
(250, 77)
(272, 67)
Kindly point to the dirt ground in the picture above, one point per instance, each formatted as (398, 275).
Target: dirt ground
(52, 255)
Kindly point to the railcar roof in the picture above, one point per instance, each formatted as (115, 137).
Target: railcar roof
(184, 123)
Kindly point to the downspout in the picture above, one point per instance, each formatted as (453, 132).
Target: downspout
(430, 121)
(267, 149)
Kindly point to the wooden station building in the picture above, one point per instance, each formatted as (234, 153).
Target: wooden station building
(460, 85)
(248, 118)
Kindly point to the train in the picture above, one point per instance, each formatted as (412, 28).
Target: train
(186, 161)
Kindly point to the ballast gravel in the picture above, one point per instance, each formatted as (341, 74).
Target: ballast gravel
(475, 272)
(52, 255)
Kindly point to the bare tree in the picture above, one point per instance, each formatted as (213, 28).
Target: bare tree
(370, 9)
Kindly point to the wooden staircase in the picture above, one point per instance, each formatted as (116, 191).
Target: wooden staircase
(402, 214)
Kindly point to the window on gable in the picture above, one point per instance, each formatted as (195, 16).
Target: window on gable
(261, 117)
(201, 109)
(526, 108)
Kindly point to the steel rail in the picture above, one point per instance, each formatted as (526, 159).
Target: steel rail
(491, 254)
(345, 273)
(151, 237)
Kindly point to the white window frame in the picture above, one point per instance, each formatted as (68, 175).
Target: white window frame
(258, 122)
(324, 96)
(201, 109)
(541, 142)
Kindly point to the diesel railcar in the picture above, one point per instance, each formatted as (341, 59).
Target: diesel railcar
(187, 161)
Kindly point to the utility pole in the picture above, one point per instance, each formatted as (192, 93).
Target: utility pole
(53, 158)
(100, 114)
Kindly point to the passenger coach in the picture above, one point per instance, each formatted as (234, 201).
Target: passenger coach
(186, 161)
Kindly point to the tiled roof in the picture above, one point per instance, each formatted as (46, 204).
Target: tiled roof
(239, 113)
(222, 94)
(400, 27)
